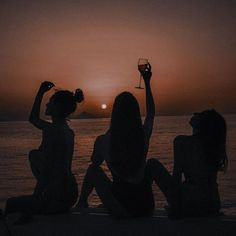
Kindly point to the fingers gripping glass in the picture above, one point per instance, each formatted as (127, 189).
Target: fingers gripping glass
(142, 67)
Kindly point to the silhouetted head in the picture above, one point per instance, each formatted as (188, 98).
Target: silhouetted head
(63, 103)
(127, 138)
(210, 127)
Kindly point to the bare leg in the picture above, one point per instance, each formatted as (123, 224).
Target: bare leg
(170, 188)
(95, 177)
(87, 188)
(157, 172)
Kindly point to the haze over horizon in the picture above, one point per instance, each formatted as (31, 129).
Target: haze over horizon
(95, 45)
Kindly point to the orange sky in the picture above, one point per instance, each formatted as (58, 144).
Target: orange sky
(96, 46)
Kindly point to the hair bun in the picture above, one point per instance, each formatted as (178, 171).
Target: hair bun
(79, 95)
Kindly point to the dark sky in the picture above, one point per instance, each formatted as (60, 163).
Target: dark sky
(95, 45)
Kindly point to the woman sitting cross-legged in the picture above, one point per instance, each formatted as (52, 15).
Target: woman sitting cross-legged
(197, 158)
(56, 189)
(124, 148)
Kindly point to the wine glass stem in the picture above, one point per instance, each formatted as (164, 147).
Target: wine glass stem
(140, 80)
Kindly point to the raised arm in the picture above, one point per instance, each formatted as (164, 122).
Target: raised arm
(34, 117)
(150, 105)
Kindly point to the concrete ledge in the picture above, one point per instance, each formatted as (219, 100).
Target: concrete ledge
(97, 222)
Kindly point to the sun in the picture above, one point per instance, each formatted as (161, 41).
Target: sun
(104, 106)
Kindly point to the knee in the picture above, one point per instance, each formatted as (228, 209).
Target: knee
(94, 173)
(153, 166)
(152, 163)
(92, 169)
(32, 154)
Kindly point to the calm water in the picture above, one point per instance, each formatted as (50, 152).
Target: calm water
(17, 138)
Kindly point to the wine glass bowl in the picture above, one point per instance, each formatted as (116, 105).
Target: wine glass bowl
(143, 65)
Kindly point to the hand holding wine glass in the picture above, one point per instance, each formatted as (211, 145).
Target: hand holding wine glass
(146, 72)
(144, 68)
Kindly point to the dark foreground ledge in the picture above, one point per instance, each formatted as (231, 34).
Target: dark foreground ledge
(98, 223)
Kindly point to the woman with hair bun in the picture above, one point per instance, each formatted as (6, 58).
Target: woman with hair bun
(56, 189)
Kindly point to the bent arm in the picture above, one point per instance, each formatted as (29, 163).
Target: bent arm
(34, 117)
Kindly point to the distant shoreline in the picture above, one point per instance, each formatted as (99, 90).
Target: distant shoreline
(98, 117)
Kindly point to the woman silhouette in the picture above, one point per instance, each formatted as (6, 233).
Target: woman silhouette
(56, 188)
(124, 148)
(198, 158)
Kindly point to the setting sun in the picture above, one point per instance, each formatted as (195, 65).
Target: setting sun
(104, 106)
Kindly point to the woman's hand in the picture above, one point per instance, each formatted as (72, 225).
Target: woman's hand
(147, 73)
(46, 86)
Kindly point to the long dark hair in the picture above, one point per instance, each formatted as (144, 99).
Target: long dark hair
(127, 137)
(212, 133)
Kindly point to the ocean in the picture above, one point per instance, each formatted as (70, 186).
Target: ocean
(18, 138)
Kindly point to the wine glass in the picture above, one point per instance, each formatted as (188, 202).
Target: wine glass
(142, 66)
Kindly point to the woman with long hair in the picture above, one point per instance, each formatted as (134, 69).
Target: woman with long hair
(124, 148)
(56, 188)
(197, 158)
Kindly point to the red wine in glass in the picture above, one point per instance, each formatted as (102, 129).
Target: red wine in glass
(142, 66)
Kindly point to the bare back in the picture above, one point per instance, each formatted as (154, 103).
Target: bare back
(199, 186)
